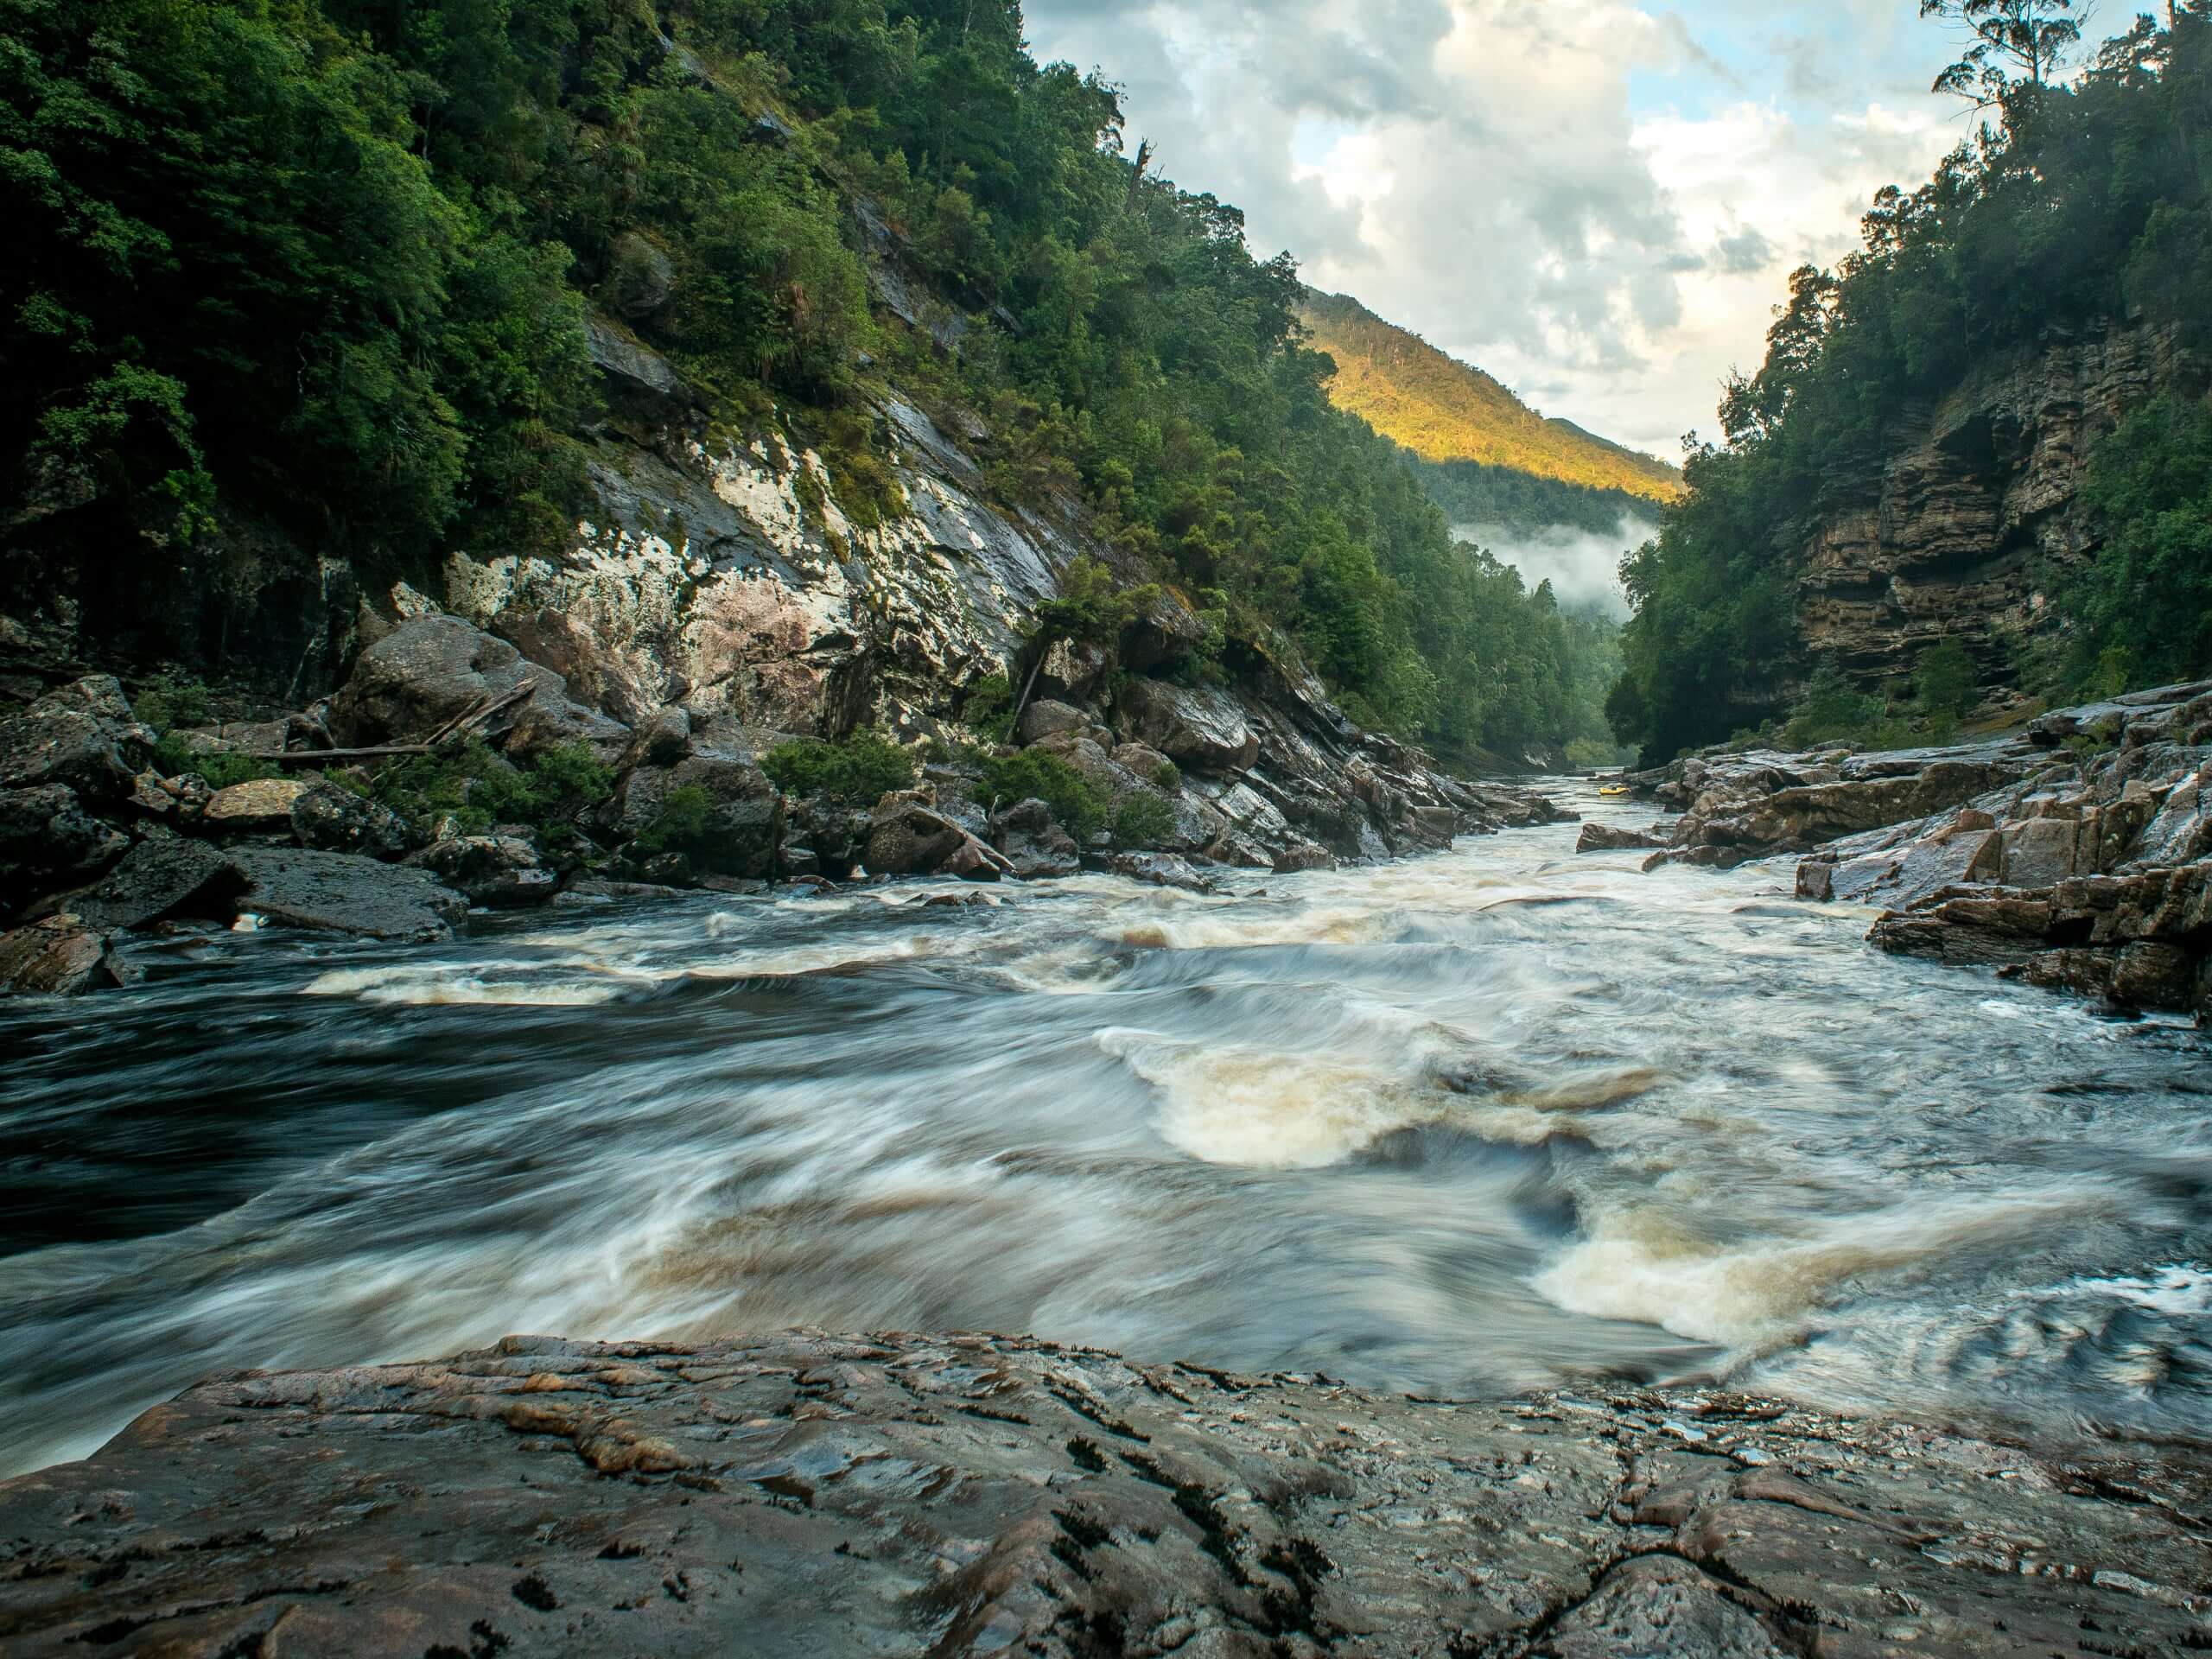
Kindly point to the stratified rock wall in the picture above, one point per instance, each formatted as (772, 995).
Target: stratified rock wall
(1983, 489)
(806, 1494)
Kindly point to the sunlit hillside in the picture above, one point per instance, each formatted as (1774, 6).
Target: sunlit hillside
(1443, 411)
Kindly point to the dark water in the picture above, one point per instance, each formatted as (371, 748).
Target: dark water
(1472, 1124)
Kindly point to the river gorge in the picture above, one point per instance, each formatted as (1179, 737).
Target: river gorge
(1495, 1121)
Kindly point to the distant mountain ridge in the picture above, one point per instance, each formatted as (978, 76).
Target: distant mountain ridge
(1447, 412)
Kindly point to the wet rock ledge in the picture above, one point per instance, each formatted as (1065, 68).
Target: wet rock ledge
(806, 1495)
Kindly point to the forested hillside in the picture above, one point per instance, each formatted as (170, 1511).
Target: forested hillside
(1461, 421)
(305, 281)
(2081, 212)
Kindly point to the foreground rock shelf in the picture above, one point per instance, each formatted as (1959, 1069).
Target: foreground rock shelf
(811, 1495)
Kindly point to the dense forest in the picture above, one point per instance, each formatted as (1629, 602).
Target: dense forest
(1449, 414)
(327, 265)
(2082, 200)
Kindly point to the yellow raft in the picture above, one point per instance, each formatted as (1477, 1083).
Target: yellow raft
(1611, 791)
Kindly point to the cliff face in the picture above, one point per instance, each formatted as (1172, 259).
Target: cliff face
(1986, 486)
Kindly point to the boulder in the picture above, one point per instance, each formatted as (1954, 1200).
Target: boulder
(59, 956)
(429, 670)
(1071, 671)
(1043, 719)
(263, 804)
(1161, 870)
(335, 820)
(633, 366)
(47, 838)
(907, 835)
(1610, 838)
(737, 826)
(83, 736)
(494, 871)
(338, 893)
(1300, 856)
(1035, 844)
(1200, 726)
(160, 879)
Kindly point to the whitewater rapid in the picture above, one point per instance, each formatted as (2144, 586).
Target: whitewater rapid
(1467, 1125)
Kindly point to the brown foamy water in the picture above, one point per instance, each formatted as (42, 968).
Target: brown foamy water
(1468, 1125)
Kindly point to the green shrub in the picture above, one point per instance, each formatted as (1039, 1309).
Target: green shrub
(988, 711)
(683, 821)
(1947, 680)
(1032, 774)
(171, 701)
(220, 771)
(482, 789)
(859, 771)
(1167, 776)
(1143, 822)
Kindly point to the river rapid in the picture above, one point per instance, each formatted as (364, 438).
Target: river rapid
(1470, 1125)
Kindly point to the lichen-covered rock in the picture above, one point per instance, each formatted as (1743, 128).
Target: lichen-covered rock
(58, 957)
(802, 1495)
(260, 804)
(83, 736)
(335, 820)
(497, 872)
(1160, 870)
(1303, 855)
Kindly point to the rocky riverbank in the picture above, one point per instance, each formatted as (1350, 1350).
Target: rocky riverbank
(109, 831)
(2076, 855)
(974, 1494)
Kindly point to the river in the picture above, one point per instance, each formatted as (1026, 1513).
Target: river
(1468, 1125)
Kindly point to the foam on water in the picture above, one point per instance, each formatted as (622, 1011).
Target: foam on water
(1471, 1124)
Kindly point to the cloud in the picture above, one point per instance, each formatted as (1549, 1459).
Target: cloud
(1599, 204)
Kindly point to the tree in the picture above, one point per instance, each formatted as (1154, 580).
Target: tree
(2031, 36)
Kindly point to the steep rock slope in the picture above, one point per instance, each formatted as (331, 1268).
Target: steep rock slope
(1979, 497)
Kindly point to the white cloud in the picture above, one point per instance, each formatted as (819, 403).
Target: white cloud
(1600, 204)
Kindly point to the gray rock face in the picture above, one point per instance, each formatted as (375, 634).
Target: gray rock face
(1944, 542)
(804, 1495)
(334, 892)
(1194, 726)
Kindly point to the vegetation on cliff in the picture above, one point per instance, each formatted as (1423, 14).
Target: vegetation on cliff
(327, 265)
(2079, 204)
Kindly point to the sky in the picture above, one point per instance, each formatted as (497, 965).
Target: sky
(1598, 201)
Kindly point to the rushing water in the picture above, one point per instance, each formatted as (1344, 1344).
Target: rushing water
(1472, 1124)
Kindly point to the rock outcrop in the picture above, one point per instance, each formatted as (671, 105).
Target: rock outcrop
(803, 1495)
(1945, 543)
(2077, 854)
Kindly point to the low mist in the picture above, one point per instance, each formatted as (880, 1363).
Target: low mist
(1582, 566)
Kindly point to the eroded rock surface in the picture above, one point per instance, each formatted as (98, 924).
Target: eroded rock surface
(803, 1495)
